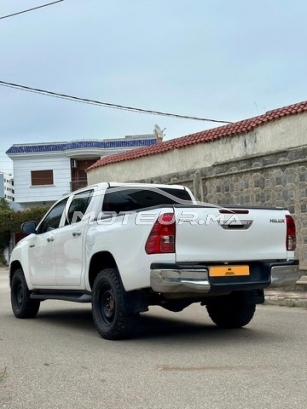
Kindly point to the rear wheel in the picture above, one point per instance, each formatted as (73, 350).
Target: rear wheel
(111, 306)
(22, 305)
(231, 313)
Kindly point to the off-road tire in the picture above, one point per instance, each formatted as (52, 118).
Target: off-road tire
(111, 307)
(22, 305)
(231, 314)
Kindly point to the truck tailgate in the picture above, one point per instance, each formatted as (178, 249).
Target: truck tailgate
(207, 234)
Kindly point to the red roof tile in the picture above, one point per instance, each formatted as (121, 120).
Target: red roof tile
(209, 135)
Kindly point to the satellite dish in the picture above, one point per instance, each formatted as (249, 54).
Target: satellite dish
(159, 132)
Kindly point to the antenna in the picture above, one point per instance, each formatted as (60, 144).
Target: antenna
(159, 132)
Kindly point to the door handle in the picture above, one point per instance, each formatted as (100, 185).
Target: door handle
(50, 239)
(76, 233)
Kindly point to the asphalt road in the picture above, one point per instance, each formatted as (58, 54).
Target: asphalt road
(176, 360)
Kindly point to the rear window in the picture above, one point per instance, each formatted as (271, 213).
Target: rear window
(120, 199)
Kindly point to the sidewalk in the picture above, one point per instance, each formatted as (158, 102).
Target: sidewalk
(286, 298)
(295, 296)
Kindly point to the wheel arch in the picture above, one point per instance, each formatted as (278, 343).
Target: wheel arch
(15, 265)
(99, 261)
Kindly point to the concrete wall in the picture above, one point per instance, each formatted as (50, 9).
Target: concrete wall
(287, 132)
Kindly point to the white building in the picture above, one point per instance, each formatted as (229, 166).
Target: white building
(44, 172)
(7, 186)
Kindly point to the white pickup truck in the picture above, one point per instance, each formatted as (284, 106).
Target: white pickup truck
(125, 247)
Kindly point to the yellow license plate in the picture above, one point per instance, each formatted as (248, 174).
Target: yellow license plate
(228, 271)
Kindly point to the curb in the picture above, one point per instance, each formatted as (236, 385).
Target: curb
(286, 299)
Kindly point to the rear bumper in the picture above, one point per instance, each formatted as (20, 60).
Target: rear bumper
(282, 276)
(175, 278)
(178, 280)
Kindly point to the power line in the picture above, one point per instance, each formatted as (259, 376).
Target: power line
(105, 104)
(34, 8)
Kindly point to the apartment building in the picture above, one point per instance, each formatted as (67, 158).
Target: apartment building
(7, 190)
(44, 172)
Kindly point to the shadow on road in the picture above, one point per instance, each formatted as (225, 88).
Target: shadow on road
(76, 319)
(153, 327)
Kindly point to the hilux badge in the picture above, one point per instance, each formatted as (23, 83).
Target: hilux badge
(277, 220)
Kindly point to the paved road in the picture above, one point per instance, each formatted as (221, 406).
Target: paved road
(175, 361)
(4, 281)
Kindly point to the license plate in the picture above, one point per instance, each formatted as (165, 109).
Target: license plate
(229, 271)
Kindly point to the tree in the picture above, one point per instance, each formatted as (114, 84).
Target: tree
(10, 222)
(4, 204)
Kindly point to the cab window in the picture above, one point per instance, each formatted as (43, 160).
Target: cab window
(78, 207)
(53, 218)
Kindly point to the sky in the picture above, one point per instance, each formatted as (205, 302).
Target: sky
(217, 59)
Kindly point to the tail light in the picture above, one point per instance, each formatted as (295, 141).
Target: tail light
(162, 236)
(291, 233)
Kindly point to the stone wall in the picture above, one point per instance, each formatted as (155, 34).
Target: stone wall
(276, 179)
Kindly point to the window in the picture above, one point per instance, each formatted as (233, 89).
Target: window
(53, 218)
(127, 199)
(41, 177)
(78, 206)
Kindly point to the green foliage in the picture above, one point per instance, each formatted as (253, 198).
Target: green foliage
(11, 221)
(4, 240)
(3, 261)
(4, 205)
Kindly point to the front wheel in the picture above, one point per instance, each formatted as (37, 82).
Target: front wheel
(22, 305)
(111, 307)
(231, 314)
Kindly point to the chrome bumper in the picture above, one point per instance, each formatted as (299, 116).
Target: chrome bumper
(178, 281)
(170, 279)
(282, 276)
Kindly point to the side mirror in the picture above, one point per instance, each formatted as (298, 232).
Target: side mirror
(28, 227)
